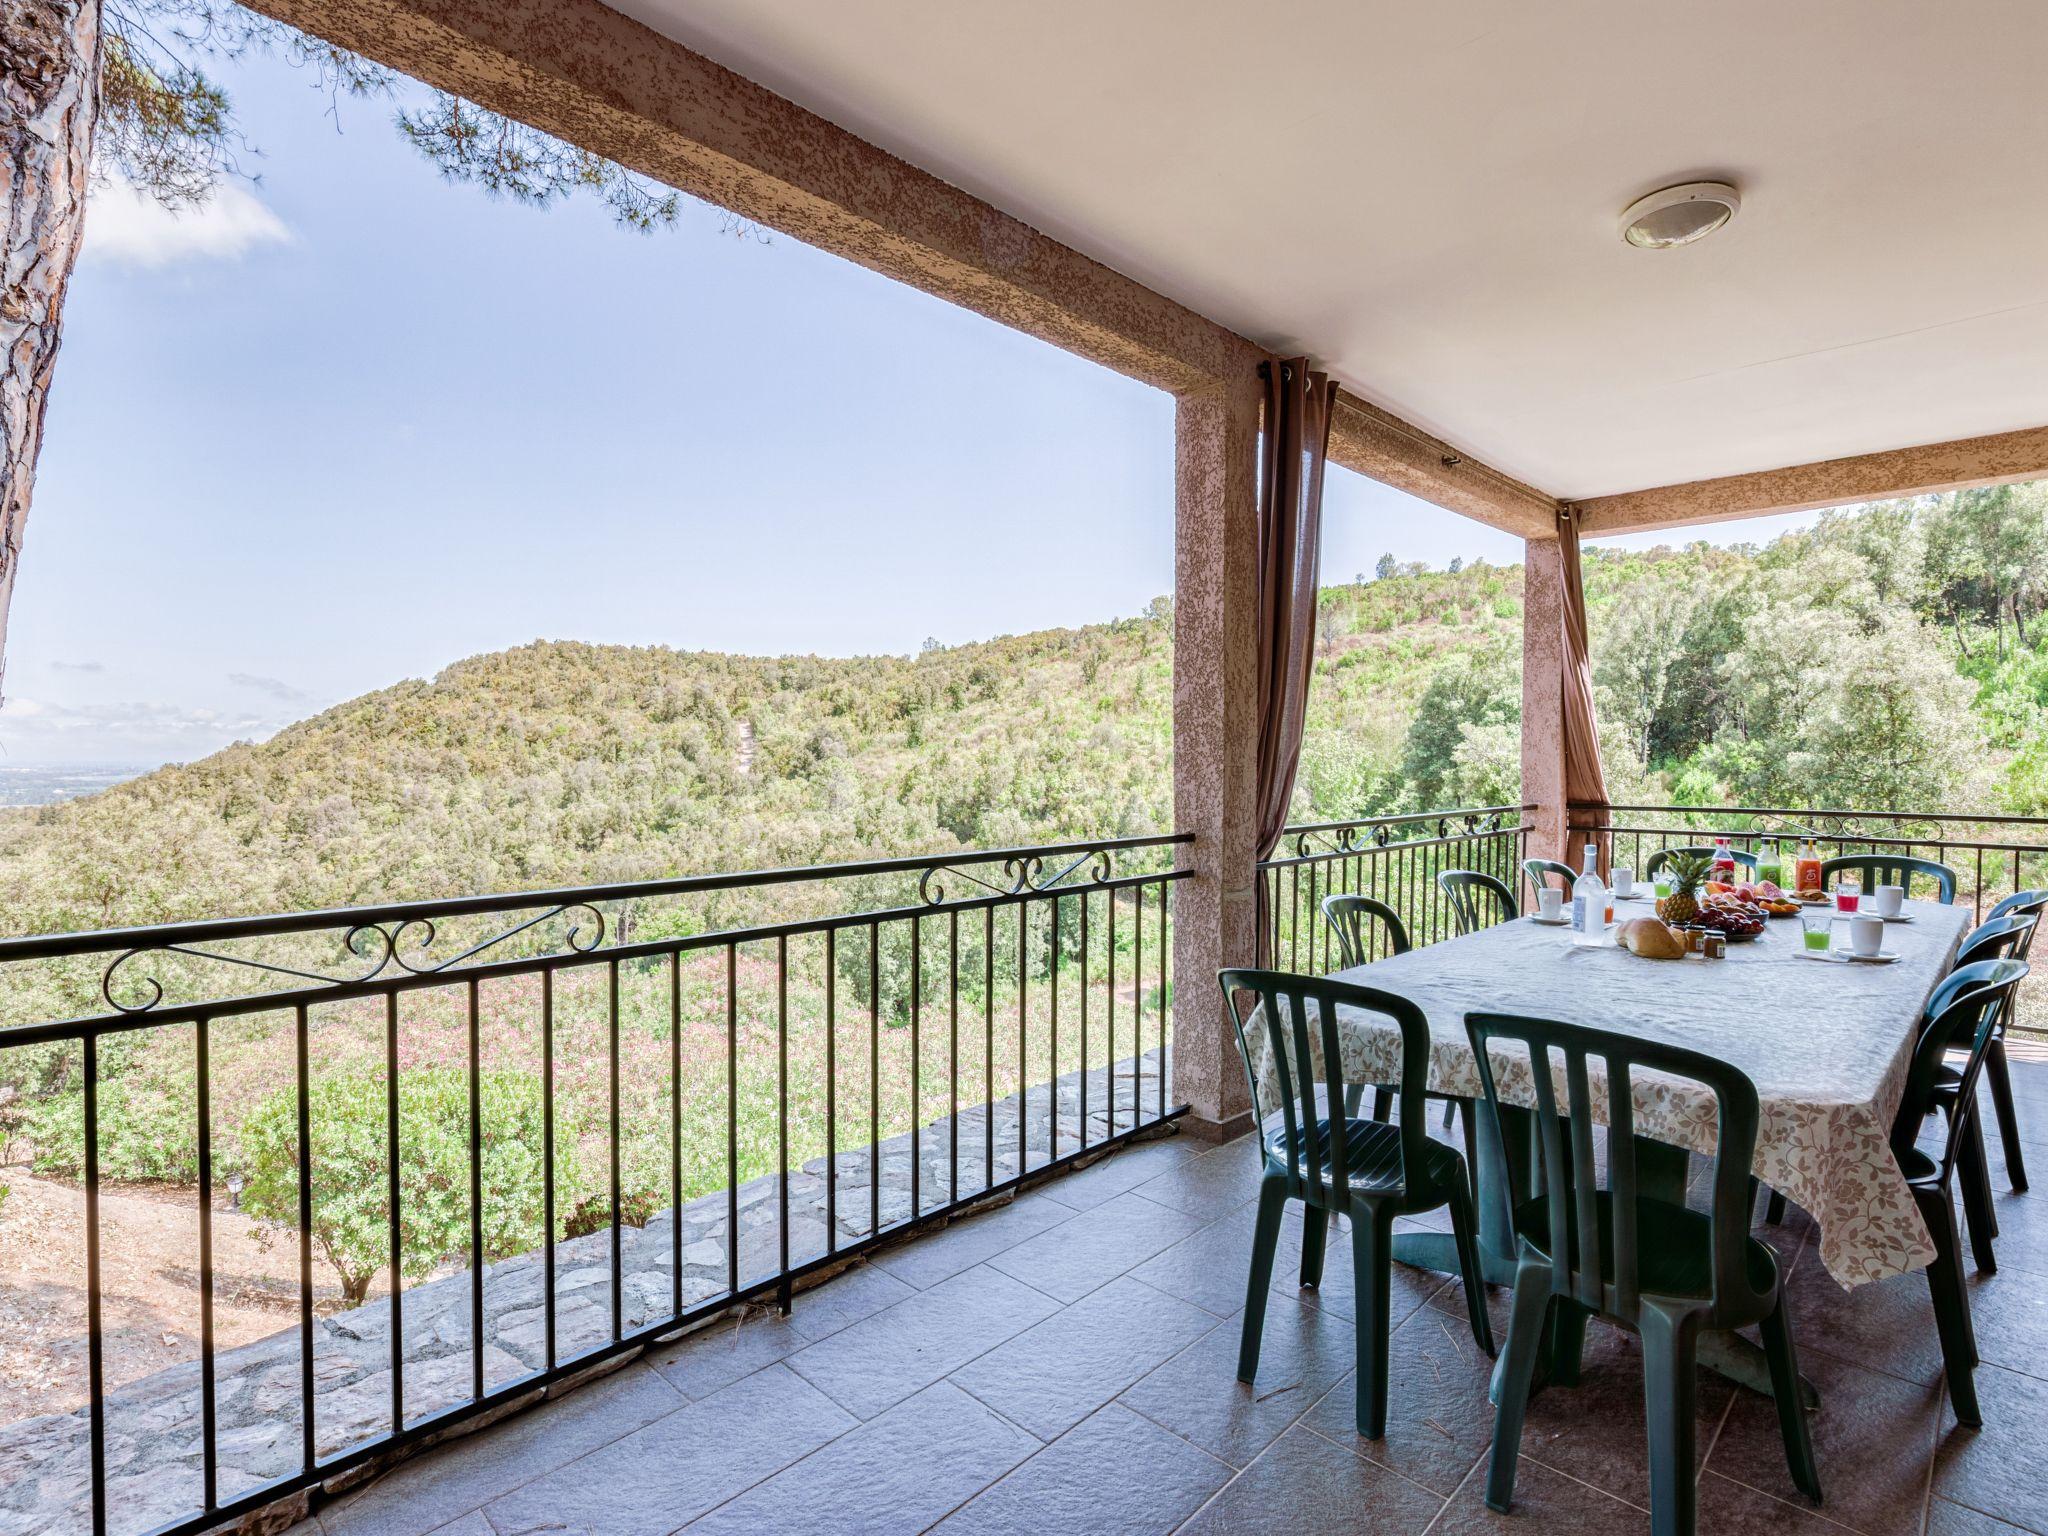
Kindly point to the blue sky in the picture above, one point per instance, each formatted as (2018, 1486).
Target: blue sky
(352, 423)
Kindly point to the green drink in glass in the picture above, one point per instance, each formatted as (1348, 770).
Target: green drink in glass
(1819, 926)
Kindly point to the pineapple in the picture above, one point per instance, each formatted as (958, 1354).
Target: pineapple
(1688, 873)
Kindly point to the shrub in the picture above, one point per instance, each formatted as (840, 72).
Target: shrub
(149, 1129)
(593, 1213)
(351, 1213)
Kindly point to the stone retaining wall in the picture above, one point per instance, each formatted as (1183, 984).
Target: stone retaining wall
(154, 1438)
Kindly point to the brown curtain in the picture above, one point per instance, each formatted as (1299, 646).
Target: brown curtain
(1292, 446)
(1585, 786)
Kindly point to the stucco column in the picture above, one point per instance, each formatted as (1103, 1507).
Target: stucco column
(1543, 699)
(1215, 666)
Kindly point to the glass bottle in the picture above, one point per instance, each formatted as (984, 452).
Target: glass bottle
(1589, 903)
(1807, 875)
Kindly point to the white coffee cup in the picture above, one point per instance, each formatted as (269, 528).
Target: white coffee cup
(1550, 902)
(1866, 934)
(1624, 882)
(1889, 900)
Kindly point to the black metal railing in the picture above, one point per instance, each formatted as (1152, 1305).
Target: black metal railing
(730, 1045)
(1393, 858)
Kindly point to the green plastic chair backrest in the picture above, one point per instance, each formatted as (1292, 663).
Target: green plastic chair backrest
(1876, 869)
(1994, 939)
(1286, 1009)
(1473, 894)
(1541, 871)
(1975, 1014)
(1664, 856)
(1351, 918)
(2022, 904)
(1565, 1146)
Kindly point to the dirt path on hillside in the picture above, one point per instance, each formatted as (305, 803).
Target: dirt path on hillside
(149, 1256)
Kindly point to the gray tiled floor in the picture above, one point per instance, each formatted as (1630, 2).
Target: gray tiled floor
(1066, 1365)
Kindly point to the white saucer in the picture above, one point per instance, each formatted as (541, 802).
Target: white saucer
(1901, 917)
(1844, 957)
(1560, 921)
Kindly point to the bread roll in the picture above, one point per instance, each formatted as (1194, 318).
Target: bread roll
(1648, 937)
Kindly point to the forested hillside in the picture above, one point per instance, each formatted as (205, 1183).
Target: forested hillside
(1886, 658)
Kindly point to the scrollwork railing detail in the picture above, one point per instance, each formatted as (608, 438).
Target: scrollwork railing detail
(1020, 877)
(400, 945)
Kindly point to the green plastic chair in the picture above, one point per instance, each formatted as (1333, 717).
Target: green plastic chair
(1473, 895)
(1664, 856)
(2021, 904)
(1979, 1001)
(1652, 1265)
(1363, 1170)
(1538, 872)
(1995, 938)
(1876, 869)
(1997, 1071)
(1351, 919)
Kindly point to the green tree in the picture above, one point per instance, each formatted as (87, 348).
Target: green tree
(350, 1169)
(1641, 648)
(1486, 764)
(1987, 556)
(1478, 690)
(1887, 725)
(1890, 541)
(120, 87)
(169, 127)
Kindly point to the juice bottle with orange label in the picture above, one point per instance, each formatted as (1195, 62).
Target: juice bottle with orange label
(1807, 873)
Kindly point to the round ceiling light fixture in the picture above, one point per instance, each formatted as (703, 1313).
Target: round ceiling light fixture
(1679, 215)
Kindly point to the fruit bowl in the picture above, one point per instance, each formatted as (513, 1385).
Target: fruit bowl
(1731, 916)
(1733, 936)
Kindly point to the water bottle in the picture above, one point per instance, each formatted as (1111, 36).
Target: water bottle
(1589, 903)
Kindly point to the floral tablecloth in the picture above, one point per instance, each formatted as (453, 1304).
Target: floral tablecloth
(1826, 1043)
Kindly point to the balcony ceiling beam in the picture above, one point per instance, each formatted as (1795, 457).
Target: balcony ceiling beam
(1995, 460)
(586, 73)
(1381, 445)
(600, 80)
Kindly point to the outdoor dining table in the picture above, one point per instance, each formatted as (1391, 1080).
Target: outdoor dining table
(1827, 1042)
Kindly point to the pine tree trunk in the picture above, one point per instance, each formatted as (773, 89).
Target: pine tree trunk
(49, 99)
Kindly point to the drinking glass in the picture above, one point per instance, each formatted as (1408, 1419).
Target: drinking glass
(1848, 893)
(1819, 923)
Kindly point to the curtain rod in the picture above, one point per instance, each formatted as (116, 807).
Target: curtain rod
(1448, 456)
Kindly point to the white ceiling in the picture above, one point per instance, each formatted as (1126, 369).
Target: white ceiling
(1424, 197)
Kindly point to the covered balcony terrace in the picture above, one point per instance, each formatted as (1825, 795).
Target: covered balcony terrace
(954, 1201)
